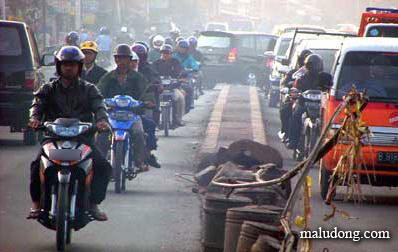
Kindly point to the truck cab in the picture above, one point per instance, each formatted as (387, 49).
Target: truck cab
(379, 22)
(369, 64)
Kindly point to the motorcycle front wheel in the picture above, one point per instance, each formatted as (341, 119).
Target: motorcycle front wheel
(117, 159)
(62, 213)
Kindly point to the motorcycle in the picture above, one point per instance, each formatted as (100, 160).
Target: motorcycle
(251, 80)
(122, 117)
(311, 119)
(274, 92)
(66, 173)
(166, 103)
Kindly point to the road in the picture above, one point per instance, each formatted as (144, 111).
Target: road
(159, 212)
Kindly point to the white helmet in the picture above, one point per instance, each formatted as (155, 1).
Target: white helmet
(158, 41)
(134, 56)
(123, 29)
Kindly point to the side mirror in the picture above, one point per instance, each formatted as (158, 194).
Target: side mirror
(269, 54)
(325, 81)
(48, 60)
(283, 60)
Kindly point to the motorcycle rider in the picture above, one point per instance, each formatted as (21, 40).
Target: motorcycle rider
(188, 62)
(313, 66)
(91, 71)
(198, 56)
(104, 42)
(72, 39)
(125, 81)
(169, 66)
(123, 37)
(70, 97)
(285, 111)
(148, 120)
(154, 53)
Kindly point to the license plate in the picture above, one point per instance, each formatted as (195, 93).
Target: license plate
(387, 157)
(164, 104)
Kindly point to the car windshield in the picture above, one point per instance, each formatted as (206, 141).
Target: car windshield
(283, 47)
(10, 43)
(375, 72)
(328, 56)
(214, 41)
(383, 31)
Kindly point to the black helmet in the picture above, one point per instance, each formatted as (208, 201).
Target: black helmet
(69, 54)
(301, 57)
(169, 41)
(72, 38)
(122, 50)
(314, 63)
(166, 48)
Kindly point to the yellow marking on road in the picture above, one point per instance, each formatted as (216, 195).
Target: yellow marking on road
(213, 128)
(256, 117)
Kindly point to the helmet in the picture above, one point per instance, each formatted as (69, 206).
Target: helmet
(166, 48)
(178, 39)
(314, 63)
(157, 41)
(183, 44)
(103, 30)
(141, 51)
(169, 41)
(193, 42)
(135, 57)
(89, 45)
(123, 29)
(72, 38)
(144, 44)
(122, 50)
(69, 54)
(301, 57)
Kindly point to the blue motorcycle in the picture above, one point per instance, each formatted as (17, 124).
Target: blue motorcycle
(122, 119)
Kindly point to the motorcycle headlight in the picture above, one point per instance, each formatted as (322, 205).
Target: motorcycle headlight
(66, 131)
(122, 103)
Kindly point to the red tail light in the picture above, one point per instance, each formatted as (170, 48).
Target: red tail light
(232, 55)
(29, 80)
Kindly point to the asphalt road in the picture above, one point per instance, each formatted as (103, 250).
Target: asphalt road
(157, 213)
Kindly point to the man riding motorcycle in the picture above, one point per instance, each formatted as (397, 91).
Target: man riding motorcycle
(285, 111)
(154, 53)
(125, 81)
(104, 42)
(188, 62)
(313, 66)
(169, 66)
(149, 121)
(70, 97)
(91, 71)
(72, 39)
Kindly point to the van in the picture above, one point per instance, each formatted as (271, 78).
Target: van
(371, 64)
(20, 76)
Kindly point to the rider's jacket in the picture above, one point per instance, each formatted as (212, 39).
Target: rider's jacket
(153, 55)
(308, 81)
(197, 55)
(94, 74)
(170, 67)
(134, 85)
(104, 42)
(148, 72)
(81, 100)
(187, 61)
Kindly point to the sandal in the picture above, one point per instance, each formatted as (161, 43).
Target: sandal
(33, 214)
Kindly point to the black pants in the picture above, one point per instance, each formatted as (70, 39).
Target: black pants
(285, 113)
(296, 125)
(102, 172)
(189, 100)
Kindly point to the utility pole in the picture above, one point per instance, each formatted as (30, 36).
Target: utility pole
(3, 9)
(78, 14)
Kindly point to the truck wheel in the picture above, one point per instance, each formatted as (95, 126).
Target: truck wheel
(29, 137)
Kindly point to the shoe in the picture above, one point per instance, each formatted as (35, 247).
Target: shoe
(97, 214)
(152, 161)
(33, 214)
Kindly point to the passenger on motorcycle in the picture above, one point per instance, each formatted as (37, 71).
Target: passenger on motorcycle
(104, 42)
(148, 120)
(154, 53)
(313, 66)
(285, 111)
(125, 81)
(189, 63)
(72, 39)
(70, 97)
(91, 72)
(170, 67)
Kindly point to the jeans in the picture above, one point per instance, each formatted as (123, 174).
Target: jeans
(296, 125)
(150, 129)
